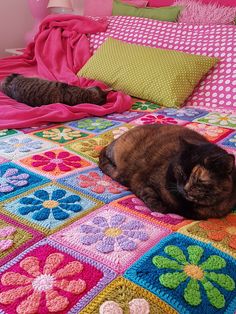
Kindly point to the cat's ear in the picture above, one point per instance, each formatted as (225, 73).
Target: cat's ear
(188, 145)
(223, 163)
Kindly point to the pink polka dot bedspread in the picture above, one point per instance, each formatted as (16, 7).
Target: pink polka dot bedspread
(217, 91)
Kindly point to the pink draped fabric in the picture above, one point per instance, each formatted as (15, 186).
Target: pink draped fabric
(59, 50)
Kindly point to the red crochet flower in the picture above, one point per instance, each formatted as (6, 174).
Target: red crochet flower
(49, 161)
(160, 119)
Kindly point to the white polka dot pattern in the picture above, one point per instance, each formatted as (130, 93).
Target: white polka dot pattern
(216, 91)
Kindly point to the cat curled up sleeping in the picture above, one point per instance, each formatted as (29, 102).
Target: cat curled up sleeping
(37, 92)
(173, 169)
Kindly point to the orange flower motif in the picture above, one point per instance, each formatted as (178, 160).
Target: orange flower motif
(221, 229)
(39, 284)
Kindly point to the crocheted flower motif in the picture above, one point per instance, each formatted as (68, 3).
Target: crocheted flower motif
(115, 232)
(144, 106)
(194, 275)
(219, 230)
(43, 203)
(11, 179)
(50, 160)
(99, 183)
(93, 124)
(224, 119)
(136, 306)
(160, 119)
(45, 286)
(125, 116)
(91, 147)
(6, 237)
(61, 134)
(22, 145)
(187, 112)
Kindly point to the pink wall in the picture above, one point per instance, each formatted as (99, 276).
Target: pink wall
(15, 22)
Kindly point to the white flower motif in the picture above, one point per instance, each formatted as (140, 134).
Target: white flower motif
(14, 144)
(222, 118)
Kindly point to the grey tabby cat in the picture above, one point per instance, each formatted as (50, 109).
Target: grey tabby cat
(37, 92)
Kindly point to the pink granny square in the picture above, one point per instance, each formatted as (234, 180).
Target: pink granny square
(133, 203)
(157, 118)
(47, 278)
(111, 236)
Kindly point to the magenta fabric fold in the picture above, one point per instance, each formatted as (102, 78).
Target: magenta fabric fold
(59, 50)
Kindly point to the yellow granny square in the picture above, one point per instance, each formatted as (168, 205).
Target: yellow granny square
(166, 77)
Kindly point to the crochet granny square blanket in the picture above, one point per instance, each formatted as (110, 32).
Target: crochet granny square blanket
(72, 240)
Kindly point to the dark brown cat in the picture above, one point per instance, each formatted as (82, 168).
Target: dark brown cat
(37, 92)
(173, 169)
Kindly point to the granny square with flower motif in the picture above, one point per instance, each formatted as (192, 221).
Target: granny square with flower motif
(95, 183)
(189, 275)
(123, 296)
(117, 132)
(227, 120)
(14, 147)
(14, 237)
(61, 134)
(126, 116)
(48, 278)
(55, 163)
(15, 179)
(89, 148)
(220, 232)
(49, 207)
(111, 236)
(143, 106)
(94, 125)
(188, 114)
(157, 118)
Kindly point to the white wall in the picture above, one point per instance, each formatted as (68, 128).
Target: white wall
(15, 22)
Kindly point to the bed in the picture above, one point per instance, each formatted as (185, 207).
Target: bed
(74, 241)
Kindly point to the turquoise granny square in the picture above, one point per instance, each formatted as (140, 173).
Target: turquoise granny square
(49, 206)
(193, 277)
(15, 179)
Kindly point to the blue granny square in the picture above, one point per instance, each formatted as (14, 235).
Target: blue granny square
(96, 184)
(94, 125)
(230, 140)
(15, 179)
(192, 276)
(50, 206)
(18, 146)
(188, 114)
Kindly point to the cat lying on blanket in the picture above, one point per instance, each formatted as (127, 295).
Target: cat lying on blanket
(37, 92)
(173, 169)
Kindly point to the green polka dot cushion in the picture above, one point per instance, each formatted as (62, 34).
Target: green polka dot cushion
(166, 77)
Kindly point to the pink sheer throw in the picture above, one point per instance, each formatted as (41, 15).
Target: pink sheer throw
(59, 50)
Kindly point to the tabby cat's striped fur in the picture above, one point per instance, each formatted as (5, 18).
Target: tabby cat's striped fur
(37, 92)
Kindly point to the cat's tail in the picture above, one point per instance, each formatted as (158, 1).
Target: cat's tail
(6, 81)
